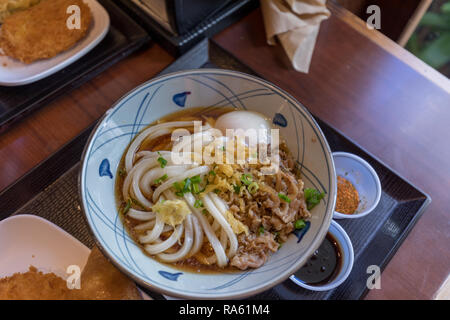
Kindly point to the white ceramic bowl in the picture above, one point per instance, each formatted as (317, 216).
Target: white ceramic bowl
(364, 179)
(346, 246)
(185, 89)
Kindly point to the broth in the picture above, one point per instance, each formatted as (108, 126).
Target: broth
(164, 143)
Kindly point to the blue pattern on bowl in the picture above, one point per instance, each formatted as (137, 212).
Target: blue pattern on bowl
(148, 103)
(104, 169)
(169, 275)
(301, 232)
(280, 120)
(180, 98)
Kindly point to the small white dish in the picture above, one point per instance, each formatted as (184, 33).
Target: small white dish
(15, 73)
(364, 179)
(29, 240)
(347, 259)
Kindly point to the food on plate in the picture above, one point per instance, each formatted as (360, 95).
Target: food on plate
(34, 285)
(100, 280)
(41, 31)
(347, 199)
(210, 212)
(8, 7)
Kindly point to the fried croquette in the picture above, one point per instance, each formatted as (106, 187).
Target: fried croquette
(34, 285)
(41, 31)
(8, 7)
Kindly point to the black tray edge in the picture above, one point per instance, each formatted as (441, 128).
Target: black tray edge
(404, 235)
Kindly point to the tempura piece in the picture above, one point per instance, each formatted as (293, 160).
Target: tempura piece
(41, 31)
(100, 280)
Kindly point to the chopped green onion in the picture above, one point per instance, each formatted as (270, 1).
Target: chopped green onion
(237, 189)
(246, 179)
(162, 161)
(198, 203)
(127, 206)
(134, 201)
(299, 224)
(161, 179)
(212, 172)
(223, 148)
(312, 197)
(177, 186)
(216, 191)
(284, 197)
(253, 187)
(261, 230)
(187, 185)
(205, 212)
(195, 188)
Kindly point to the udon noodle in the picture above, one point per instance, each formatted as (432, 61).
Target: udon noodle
(202, 213)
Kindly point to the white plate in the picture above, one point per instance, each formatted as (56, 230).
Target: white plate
(15, 73)
(30, 240)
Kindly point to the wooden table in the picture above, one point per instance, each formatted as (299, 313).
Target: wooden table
(360, 82)
(390, 103)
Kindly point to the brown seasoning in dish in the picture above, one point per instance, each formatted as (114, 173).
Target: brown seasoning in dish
(347, 197)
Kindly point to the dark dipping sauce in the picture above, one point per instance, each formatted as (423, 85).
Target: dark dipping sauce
(324, 265)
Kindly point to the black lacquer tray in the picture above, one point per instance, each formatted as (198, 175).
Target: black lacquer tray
(124, 37)
(50, 191)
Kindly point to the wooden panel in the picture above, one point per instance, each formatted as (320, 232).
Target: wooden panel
(29, 142)
(413, 22)
(385, 105)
